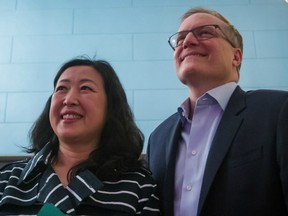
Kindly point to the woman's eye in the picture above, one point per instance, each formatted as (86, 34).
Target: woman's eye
(86, 88)
(60, 88)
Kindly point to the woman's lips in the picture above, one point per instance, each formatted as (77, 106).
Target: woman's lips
(71, 116)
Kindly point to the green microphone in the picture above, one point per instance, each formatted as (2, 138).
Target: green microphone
(49, 209)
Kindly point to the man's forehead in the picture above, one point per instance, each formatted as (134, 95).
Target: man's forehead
(199, 19)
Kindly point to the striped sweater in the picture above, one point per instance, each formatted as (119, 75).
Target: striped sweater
(25, 186)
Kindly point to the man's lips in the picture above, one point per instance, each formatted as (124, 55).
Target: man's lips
(192, 54)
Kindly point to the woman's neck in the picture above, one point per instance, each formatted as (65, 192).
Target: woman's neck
(66, 158)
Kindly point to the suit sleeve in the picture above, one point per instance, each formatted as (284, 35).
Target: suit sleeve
(282, 148)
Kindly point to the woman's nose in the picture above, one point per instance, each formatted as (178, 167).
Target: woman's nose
(71, 98)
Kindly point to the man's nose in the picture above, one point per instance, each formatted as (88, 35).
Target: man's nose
(190, 40)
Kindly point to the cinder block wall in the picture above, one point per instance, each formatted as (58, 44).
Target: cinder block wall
(37, 36)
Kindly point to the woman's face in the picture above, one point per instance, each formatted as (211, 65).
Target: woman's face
(78, 106)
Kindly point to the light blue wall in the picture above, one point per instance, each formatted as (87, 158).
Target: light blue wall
(37, 36)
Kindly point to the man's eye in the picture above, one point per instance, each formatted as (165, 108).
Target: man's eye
(180, 39)
(205, 33)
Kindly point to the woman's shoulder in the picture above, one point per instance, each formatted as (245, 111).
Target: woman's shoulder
(10, 174)
(133, 190)
(139, 176)
(13, 167)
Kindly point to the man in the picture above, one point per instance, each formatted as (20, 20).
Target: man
(225, 152)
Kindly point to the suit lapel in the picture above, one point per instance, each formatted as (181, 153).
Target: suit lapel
(172, 139)
(225, 133)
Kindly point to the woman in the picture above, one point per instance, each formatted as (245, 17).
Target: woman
(87, 149)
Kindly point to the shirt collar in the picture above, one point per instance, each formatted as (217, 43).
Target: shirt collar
(37, 163)
(221, 94)
(184, 110)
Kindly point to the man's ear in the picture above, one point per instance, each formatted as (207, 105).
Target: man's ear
(237, 60)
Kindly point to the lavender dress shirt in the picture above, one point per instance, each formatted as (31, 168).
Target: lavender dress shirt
(194, 146)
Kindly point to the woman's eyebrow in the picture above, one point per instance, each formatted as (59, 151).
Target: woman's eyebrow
(87, 80)
(81, 81)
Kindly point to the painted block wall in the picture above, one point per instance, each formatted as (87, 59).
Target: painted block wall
(37, 36)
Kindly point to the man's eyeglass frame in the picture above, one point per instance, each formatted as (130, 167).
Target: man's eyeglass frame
(170, 39)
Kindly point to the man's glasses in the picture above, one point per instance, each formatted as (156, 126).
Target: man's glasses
(201, 33)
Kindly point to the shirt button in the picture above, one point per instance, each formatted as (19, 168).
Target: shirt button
(188, 187)
(194, 152)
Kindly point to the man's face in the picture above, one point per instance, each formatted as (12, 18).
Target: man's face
(212, 61)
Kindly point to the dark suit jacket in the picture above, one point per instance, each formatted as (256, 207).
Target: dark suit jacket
(246, 173)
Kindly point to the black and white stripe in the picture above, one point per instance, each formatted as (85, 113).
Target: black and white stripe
(25, 186)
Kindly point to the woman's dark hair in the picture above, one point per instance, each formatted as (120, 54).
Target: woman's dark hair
(121, 141)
